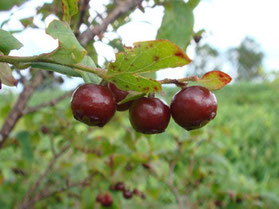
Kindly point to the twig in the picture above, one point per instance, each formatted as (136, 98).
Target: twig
(121, 8)
(172, 187)
(44, 194)
(180, 81)
(169, 183)
(82, 11)
(35, 185)
(17, 111)
(47, 104)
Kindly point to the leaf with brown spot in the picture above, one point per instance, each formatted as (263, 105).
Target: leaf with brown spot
(147, 56)
(214, 80)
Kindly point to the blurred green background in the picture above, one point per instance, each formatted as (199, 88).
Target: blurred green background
(230, 163)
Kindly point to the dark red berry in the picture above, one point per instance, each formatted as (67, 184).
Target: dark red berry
(218, 203)
(119, 95)
(99, 198)
(107, 200)
(127, 194)
(136, 192)
(193, 107)
(44, 130)
(149, 115)
(143, 196)
(120, 186)
(104, 199)
(93, 104)
(112, 187)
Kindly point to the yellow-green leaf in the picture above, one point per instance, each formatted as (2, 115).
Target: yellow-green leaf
(70, 8)
(6, 76)
(214, 80)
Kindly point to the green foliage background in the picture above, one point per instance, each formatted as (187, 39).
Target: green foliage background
(233, 161)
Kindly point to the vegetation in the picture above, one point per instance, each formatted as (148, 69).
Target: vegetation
(231, 162)
(50, 160)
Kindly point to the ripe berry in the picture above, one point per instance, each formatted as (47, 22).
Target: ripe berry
(149, 115)
(127, 194)
(93, 104)
(99, 198)
(120, 186)
(44, 130)
(119, 95)
(136, 192)
(112, 187)
(104, 199)
(193, 107)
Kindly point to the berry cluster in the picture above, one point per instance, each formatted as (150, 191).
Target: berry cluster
(191, 108)
(127, 193)
(106, 199)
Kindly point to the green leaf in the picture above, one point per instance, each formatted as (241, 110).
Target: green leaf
(178, 22)
(142, 146)
(131, 96)
(70, 8)
(6, 5)
(89, 77)
(193, 3)
(148, 56)
(8, 42)
(136, 83)
(91, 51)
(24, 139)
(69, 50)
(214, 80)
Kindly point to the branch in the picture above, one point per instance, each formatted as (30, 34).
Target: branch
(82, 11)
(49, 103)
(25, 62)
(121, 8)
(172, 187)
(46, 193)
(17, 111)
(35, 185)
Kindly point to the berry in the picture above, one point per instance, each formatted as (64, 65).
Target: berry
(143, 196)
(112, 187)
(119, 95)
(193, 107)
(104, 199)
(107, 200)
(44, 130)
(93, 105)
(136, 192)
(99, 198)
(149, 115)
(127, 194)
(120, 186)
